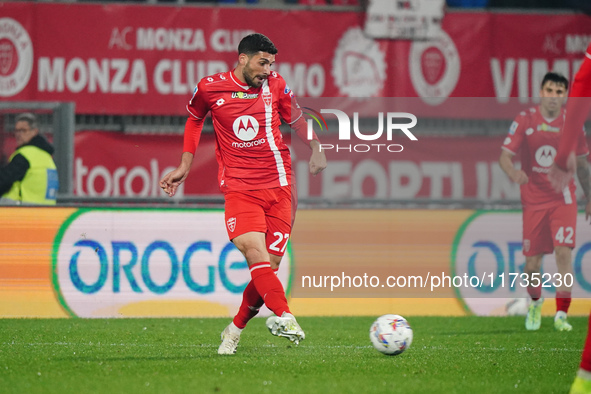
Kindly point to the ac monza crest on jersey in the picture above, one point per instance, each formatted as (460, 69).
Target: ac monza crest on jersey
(267, 98)
(231, 224)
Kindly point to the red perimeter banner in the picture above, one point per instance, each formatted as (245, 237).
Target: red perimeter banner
(115, 165)
(139, 59)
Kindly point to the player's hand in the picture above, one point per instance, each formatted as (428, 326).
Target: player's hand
(171, 181)
(317, 161)
(519, 177)
(560, 178)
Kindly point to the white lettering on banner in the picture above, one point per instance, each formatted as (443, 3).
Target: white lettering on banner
(162, 39)
(223, 40)
(369, 169)
(304, 80)
(527, 74)
(135, 182)
(16, 57)
(335, 182)
(171, 78)
(118, 38)
(404, 180)
(106, 75)
(576, 43)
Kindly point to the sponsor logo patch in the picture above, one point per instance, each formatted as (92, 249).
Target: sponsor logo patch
(246, 96)
(231, 224)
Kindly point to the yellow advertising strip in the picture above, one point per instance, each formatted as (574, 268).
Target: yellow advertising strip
(324, 243)
(376, 306)
(26, 242)
(380, 243)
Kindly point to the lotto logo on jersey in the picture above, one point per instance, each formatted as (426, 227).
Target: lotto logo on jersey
(545, 155)
(246, 127)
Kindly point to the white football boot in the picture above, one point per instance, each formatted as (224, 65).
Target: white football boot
(286, 326)
(230, 339)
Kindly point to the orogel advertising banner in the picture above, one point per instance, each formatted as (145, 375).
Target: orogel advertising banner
(96, 262)
(130, 262)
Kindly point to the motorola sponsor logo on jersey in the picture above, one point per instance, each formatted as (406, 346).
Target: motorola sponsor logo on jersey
(246, 128)
(544, 157)
(344, 123)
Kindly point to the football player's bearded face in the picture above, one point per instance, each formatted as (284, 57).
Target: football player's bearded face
(258, 68)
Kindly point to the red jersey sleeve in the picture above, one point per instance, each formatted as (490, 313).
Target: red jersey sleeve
(192, 134)
(198, 107)
(287, 105)
(577, 109)
(516, 134)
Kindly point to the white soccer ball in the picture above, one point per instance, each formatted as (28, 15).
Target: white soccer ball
(390, 334)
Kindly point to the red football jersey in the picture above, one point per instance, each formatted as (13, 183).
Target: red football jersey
(250, 149)
(538, 138)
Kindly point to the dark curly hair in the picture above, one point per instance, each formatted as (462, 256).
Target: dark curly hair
(254, 43)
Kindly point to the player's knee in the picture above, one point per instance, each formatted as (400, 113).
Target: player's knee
(533, 264)
(563, 255)
(255, 254)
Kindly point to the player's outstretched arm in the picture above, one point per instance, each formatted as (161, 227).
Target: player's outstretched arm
(317, 161)
(171, 181)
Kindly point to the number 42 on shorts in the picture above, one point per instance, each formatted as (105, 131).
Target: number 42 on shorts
(564, 235)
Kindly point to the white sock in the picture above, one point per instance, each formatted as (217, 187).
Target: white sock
(539, 301)
(235, 329)
(584, 374)
(560, 314)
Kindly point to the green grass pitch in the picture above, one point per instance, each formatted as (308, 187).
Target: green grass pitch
(448, 355)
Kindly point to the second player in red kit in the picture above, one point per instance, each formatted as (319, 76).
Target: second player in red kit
(549, 217)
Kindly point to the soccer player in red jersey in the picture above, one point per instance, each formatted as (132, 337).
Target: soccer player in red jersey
(578, 108)
(549, 217)
(255, 174)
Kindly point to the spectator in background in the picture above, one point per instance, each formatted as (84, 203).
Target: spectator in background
(30, 177)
